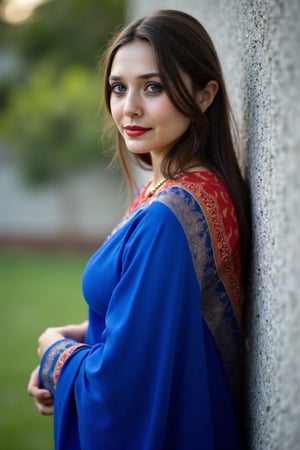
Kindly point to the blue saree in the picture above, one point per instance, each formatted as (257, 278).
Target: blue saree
(159, 366)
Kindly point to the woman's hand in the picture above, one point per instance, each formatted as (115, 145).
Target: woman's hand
(46, 339)
(42, 397)
(53, 334)
(76, 332)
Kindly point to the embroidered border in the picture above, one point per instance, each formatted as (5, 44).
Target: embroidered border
(213, 262)
(222, 222)
(53, 360)
(62, 359)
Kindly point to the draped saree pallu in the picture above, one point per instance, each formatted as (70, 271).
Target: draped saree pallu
(159, 367)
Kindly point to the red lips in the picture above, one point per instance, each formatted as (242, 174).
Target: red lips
(135, 130)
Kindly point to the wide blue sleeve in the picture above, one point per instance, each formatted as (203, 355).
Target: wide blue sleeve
(145, 386)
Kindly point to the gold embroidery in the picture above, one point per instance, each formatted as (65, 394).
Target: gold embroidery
(214, 269)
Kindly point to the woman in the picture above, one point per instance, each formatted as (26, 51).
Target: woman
(157, 365)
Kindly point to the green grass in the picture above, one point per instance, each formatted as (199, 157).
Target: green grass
(36, 291)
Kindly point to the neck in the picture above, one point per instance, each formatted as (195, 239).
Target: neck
(156, 163)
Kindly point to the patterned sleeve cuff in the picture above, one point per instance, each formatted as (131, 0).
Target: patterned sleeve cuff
(53, 359)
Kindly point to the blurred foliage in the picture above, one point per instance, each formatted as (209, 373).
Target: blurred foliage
(51, 92)
(67, 31)
(53, 121)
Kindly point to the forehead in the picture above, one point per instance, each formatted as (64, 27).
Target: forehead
(135, 57)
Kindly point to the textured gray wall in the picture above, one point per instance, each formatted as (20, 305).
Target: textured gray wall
(259, 46)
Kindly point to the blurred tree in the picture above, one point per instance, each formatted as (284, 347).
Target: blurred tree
(53, 121)
(49, 100)
(70, 31)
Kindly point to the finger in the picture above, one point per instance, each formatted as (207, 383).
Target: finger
(44, 397)
(45, 410)
(34, 382)
(44, 403)
(34, 389)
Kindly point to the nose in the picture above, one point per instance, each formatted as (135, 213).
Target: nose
(132, 105)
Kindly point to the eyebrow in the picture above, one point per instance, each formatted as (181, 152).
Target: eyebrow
(145, 76)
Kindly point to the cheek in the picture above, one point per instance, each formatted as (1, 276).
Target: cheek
(172, 119)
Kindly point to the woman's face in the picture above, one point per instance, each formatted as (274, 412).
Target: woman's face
(140, 107)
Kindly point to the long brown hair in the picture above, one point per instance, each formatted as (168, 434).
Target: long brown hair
(182, 45)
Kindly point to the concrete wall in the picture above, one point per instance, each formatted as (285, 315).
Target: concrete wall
(259, 46)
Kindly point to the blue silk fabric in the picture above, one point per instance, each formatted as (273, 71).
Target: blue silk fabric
(160, 369)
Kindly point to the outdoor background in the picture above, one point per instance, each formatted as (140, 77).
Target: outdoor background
(58, 199)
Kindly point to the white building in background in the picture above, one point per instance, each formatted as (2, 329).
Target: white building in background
(84, 206)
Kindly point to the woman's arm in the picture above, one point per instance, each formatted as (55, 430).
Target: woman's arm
(42, 397)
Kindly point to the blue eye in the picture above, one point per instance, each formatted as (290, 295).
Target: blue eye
(118, 88)
(154, 88)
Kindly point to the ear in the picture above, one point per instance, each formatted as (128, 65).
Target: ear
(206, 96)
